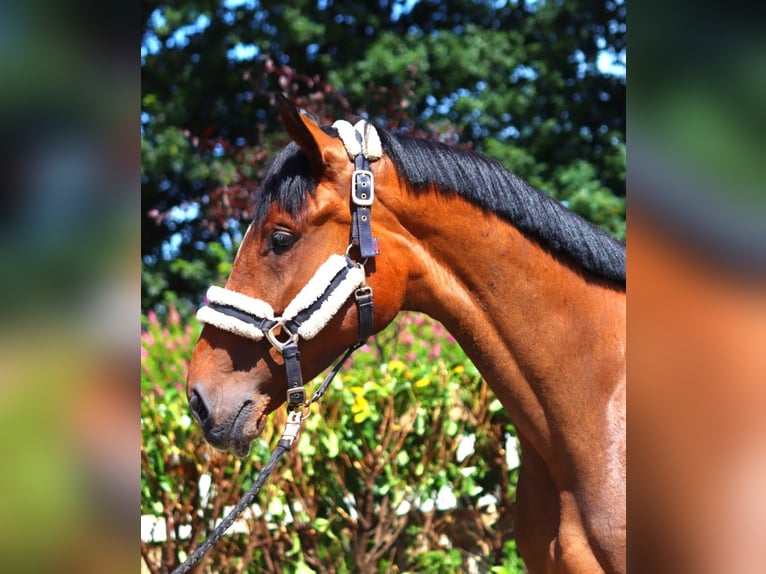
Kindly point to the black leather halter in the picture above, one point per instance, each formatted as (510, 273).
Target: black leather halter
(362, 198)
(255, 319)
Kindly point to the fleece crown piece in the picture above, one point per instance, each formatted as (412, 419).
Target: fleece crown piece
(361, 138)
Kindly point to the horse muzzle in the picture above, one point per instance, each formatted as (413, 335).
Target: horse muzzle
(229, 421)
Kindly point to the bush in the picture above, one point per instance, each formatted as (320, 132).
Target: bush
(402, 467)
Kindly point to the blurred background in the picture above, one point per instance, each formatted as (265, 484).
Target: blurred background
(70, 303)
(696, 297)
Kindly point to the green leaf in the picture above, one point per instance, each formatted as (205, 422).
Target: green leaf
(330, 442)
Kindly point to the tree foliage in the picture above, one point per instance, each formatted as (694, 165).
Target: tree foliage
(518, 81)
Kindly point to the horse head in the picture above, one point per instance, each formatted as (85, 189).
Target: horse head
(298, 249)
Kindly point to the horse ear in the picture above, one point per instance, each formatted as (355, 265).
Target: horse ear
(305, 131)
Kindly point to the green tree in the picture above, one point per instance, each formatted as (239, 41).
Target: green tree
(517, 81)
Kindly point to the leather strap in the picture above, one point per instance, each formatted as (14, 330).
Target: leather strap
(362, 196)
(365, 309)
(296, 394)
(363, 236)
(366, 322)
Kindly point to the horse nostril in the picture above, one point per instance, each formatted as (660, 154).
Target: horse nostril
(198, 407)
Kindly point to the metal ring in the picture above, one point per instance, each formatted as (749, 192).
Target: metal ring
(361, 263)
(363, 290)
(272, 336)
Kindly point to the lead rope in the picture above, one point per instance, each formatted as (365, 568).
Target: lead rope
(295, 420)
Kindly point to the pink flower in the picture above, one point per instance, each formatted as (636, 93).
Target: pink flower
(173, 317)
(152, 316)
(407, 338)
(144, 352)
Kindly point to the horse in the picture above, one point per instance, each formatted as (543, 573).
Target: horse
(532, 292)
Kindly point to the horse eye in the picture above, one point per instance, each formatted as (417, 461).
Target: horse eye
(281, 241)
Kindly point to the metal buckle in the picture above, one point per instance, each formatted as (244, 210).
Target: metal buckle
(296, 397)
(362, 291)
(360, 194)
(276, 343)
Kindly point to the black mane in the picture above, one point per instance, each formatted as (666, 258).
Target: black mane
(288, 182)
(484, 182)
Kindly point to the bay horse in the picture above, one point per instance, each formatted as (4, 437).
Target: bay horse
(533, 293)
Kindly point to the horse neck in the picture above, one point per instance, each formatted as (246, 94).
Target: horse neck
(549, 341)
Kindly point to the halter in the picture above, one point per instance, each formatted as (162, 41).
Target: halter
(307, 314)
(327, 290)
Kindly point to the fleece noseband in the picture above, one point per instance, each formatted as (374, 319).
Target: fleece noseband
(306, 315)
(325, 293)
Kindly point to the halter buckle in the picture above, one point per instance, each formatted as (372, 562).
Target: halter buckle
(296, 397)
(364, 290)
(275, 342)
(362, 187)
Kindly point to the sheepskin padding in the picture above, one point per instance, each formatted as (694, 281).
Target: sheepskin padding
(370, 146)
(228, 323)
(316, 287)
(230, 298)
(347, 135)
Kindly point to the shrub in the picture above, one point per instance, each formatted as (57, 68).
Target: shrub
(401, 467)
